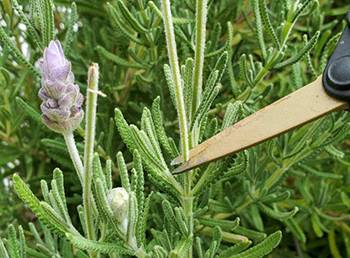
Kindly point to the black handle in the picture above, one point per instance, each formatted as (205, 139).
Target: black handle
(336, 76)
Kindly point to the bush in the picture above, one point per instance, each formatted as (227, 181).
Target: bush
(161, 78)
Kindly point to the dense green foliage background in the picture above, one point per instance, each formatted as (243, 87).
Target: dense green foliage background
(315, 159)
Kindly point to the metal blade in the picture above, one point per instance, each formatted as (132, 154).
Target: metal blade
(302, 106)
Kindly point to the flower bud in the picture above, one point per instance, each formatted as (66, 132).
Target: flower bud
(118, 199)
(62, 101)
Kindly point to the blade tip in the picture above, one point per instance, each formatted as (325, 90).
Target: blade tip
(178, 170)
(176, 161)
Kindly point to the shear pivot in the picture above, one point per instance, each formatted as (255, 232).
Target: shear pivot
(336, 77)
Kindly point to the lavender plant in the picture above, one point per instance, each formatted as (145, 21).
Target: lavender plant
(172, 74)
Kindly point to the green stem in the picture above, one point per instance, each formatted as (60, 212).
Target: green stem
(187, 199)
(141, 253)
(197, 80)
(187, 204)
(176, 76)
(89, 148)
(74, 155)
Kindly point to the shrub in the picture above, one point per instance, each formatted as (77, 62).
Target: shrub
(163, 77)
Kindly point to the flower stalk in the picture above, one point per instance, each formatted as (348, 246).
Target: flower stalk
(74, 154)
(197, 80)
(176, 76)
(187, 198)
(91, 104)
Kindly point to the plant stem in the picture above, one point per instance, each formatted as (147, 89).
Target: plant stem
(187, 199)
(176, 76)
(89, 148)
(187, 203)
(74, 154)
(197, 80)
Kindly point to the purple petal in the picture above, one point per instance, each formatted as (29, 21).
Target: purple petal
(55, 66)
(43, 94)
(68, 99)
(55, 89)
(60, 72)
(79, 100)
(53, 55)
(51, 103)
(54, 114)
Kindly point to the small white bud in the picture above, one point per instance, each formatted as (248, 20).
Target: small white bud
(118, 199)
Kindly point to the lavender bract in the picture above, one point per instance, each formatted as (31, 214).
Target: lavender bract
(62, 101)
(118, 199)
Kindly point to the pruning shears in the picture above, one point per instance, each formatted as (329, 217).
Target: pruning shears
(329, 92)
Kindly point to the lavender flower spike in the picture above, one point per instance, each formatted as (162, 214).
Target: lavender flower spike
(62, 101)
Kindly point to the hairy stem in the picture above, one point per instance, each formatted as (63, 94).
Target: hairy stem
(197, 80)
(89, 148)
(176, 76)
(74, 155)
(187, 200)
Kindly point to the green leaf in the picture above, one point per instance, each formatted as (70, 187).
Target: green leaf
(267, 23)
(8, 154)
(333, 245)
(30, 28)
(295, 229)
(114, 17)
(29, 110)
(181, 248)
(232, 114)
(44, 212)
(130, 18)
(71, 22)
(6, 40)
(198, 247)
(306, 4)
(123, 172)
(259, 28)
(221, 64)
(205, 106)
(160, 130)
(170, 83)
(13, 244)
(47, 21)
(226, 225)
(132, 218)
(139, 190)
(237, 248)
(252, 234)
(316, 225)
(124, 130)
(145, 217)
(273, 213)
(3, 251)
(98, 171)
(301, 53)
(105, 210)
(108, 174)
(187, 74)
(118, 60)
(95, 246)
(148, 127)
(180, 221)
(263, 248)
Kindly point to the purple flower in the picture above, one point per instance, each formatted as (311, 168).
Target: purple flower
(62, 101)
